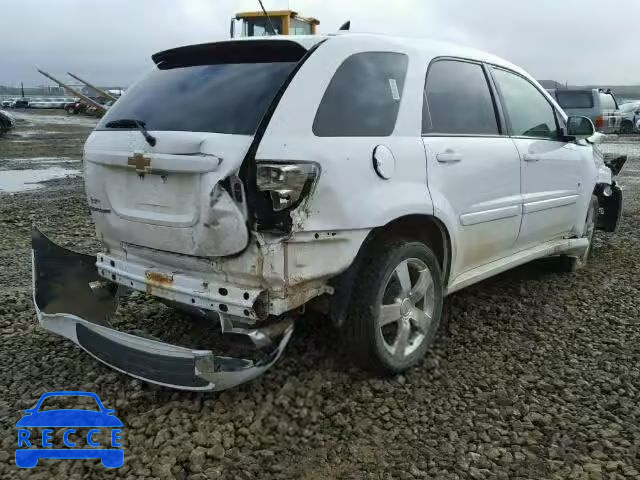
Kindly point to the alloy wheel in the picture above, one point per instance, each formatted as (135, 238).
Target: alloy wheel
(407, 308)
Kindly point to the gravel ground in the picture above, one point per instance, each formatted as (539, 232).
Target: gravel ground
(535, 374)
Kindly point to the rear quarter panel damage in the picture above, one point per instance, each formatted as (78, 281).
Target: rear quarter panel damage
(349, 195)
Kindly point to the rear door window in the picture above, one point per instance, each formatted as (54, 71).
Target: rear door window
(458, 100)
(574, 99)
(220, 89)
(363, 97)
(530, 114)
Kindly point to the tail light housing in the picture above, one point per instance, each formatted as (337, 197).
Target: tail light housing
(286, 183)
(599, 123)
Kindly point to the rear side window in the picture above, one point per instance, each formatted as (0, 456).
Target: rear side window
(458, 100)
(529, 112)
(363, 97)
(574, 99)
(607, 102)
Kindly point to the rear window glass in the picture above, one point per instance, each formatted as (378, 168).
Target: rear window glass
(581, 99)
(458, 100)
(226, 98)
(363, 97)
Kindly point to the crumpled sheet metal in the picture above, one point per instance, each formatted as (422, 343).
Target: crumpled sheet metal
(72, 300)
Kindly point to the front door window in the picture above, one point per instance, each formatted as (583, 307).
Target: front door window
(528, 111)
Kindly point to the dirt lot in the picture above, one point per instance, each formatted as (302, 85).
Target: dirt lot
(535, 375)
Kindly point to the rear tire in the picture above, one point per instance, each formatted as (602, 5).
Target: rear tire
(395, 307)
(626, 128)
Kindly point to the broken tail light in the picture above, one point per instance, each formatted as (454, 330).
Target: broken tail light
(286, 183)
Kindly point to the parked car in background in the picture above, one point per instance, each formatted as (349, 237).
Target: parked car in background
(50, 102)
(58, 102)
(93, 110)
(367, 175)
(21, 103)
(598, 105)
(630, 117)
(9, 102)
(6, 122)
(74, 107)
(39, 103)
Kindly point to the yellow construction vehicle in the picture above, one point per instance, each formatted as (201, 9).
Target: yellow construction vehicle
(276, 22)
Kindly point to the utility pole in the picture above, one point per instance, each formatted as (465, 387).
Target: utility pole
(101, 92)
(86, 99)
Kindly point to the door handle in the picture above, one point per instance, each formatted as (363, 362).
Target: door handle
(448, 157)
(528, 157)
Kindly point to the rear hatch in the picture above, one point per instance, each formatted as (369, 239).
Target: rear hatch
(161, 167)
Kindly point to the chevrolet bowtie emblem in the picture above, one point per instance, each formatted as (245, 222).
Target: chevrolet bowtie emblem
(139, 162)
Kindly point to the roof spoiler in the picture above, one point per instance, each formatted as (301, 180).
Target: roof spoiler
(232, 51)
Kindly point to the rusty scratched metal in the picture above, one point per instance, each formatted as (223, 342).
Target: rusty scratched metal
(157, 279)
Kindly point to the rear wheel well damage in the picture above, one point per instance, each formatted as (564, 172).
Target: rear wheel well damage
(423, 228)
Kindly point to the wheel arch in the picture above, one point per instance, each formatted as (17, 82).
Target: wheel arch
(427, 229)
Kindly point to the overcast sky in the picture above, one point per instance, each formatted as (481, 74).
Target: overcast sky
(110, 41)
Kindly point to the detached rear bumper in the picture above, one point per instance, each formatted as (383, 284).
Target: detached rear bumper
(74, 301)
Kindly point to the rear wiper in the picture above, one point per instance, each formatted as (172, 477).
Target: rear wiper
(132, 122)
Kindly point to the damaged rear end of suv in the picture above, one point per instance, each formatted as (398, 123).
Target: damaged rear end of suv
(246, 180)
(176, 196)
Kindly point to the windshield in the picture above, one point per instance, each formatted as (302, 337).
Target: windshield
(575, 99)
(221, 98)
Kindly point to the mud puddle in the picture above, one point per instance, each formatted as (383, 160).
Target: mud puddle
(14, 181)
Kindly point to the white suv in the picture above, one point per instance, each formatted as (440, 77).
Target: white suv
(366, 175)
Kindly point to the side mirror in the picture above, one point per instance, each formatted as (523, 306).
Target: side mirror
(580, 128)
